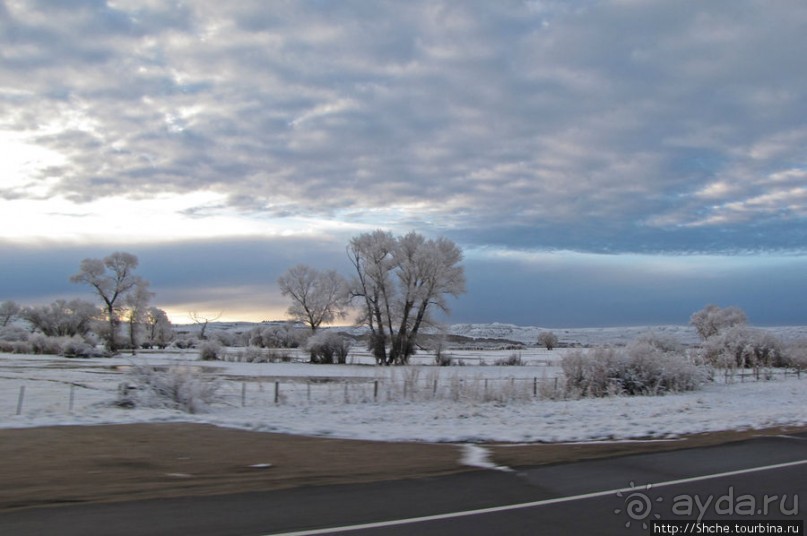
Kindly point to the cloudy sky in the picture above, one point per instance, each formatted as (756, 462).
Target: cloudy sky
(600, 162)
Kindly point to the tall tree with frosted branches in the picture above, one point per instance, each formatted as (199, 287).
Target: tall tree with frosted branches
(318, 297)
(112, 278)
(399, 281)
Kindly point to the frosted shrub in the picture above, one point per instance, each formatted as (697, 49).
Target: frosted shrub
(14, 339)
(42, 344)
(179, 387)
(78, 347)
(743, 347)
(210, 351)
(328, 347)
(590, 373)
(513, 360)
(641, 368)
(796, 355)
(254, 354)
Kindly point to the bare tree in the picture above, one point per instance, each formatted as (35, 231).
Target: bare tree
(8, 310)
(112, 278)
(137, 301)
(399, 282)
(317, 297)
(203, 321)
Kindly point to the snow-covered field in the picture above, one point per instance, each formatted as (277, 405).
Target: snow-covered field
(419, 402)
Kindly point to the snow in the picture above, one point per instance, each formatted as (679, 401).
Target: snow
(368, 402)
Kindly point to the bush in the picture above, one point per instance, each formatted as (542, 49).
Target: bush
(210, 351)
(744, 347)
(78, 347)
(13, 334)
(639, 369)
(253, 354)
(328, 347)
(179, 387)
(514, 360)
(795, 355)
(41, 344)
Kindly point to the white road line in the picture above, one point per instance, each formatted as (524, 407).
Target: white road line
(520, 506)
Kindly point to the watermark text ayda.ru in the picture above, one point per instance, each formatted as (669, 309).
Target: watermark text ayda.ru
(641, 507)
(733, 504)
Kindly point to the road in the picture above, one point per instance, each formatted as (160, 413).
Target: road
(760, 479)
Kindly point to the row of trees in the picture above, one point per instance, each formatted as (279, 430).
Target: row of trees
(398, 282)
(125, 310)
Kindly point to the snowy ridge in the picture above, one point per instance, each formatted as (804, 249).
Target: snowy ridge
(528, 335)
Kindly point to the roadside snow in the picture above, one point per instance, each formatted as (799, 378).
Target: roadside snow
(59, 391)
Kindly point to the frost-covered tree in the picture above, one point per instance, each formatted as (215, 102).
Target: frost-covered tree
(159, 330)
(318, 297)
(112, 278)
(548, 340)
(137, 301)
(8, 311)
(62, 318)
(711, 320)
(399, 281)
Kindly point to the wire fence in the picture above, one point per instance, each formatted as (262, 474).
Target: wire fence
(412, 384)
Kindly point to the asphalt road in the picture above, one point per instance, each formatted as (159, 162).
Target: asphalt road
(759, 480)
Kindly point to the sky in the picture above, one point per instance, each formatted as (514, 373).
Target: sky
(600, 162)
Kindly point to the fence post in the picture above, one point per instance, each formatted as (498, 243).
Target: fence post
(434, 389)
(277, 392)
(20, 399)
(535, 386)
(243, 394)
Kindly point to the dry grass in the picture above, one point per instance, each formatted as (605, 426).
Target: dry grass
(69, 464)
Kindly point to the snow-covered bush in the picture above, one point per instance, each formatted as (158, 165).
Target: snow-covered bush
(743, 347)
(42, 344)
(796, 355)
(78, 347)
(13, 333)
(254, 354)
(641, 368)
(328, 347)
(179, 387)
(210, 351)
(277, 336)
(513, 360)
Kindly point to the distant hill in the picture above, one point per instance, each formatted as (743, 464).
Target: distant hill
(528, 335)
